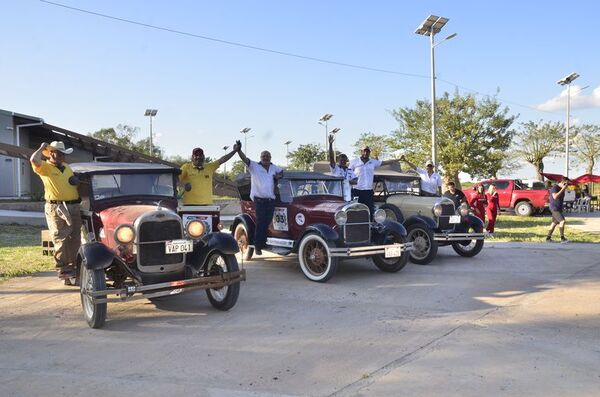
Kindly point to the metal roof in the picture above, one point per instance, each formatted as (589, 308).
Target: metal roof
(116, 168)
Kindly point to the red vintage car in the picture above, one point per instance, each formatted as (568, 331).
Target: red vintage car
(313, 220)
(138, 246)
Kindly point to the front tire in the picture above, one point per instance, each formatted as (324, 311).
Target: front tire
(223, 298)
(241, 236)
(315, 259)
(524, 209)
(424, 246)
(392, 265)
(93, 280)
(469, 248)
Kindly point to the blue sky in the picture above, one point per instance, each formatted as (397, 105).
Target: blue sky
(84, 72)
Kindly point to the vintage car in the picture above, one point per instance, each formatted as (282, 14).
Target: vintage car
(136, 245)
(312, 219)
(429, 221)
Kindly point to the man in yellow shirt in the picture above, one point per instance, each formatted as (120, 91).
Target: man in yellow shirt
(62, 207)
(197, 177)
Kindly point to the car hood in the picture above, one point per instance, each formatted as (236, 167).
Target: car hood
(124, 214)
(416, 205)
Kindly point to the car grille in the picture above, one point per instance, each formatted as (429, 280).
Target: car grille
(444, 219)
(154, 254)
(358, 226)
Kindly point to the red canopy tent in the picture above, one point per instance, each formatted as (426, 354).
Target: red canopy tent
(586, 178)
(553, 177)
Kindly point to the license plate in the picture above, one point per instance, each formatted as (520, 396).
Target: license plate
(454, 218)
(393, 251)
(178, 246)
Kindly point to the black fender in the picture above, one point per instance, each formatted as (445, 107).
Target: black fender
(420, 219)
(96, 255)
(247, 221)
(322, 230)
(222, 242)
(392, 226)
(468, 221)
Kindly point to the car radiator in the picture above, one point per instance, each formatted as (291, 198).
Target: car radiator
(358, 226)
(154, 253)
(444, 219)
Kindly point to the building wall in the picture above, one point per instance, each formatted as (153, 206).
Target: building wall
(7, 164)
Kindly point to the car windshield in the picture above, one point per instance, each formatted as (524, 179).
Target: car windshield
(406, 186)
(289, 189)
(119, 185)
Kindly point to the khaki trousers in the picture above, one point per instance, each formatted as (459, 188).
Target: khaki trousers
(65, 235)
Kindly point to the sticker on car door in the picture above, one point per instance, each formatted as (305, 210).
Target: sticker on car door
(280, 219)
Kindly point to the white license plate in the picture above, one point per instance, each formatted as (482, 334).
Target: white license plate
(393, 251)
(178, 246)
(454, 218)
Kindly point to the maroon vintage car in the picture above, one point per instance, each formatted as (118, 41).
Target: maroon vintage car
(138, 246)
(313, 220)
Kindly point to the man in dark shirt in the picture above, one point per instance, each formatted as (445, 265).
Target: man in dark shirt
(454, 194)
(557, 195)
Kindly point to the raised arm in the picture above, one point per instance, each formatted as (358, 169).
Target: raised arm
(331, 154)
(36, 157)
(238, 148)
(229, 155)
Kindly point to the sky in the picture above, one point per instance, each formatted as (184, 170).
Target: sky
(212, 68)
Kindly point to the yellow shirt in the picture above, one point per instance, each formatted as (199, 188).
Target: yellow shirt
(56, 183)
(201, 181)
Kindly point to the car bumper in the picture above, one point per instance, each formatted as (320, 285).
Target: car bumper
(458, 236)
(369, 250)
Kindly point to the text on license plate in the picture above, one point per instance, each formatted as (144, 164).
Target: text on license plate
(454, 218)
(393, 252)
(178, 246)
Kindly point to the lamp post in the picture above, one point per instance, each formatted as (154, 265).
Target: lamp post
(334, 131)
(567, 81)
(225, 163)
(287, 152)
(151, 113)
(245, 131)
(324, 119)
(429, 27)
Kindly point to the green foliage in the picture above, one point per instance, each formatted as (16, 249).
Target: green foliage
(587, 143)
(472, 135)
(305, 156)
(177, 159)
(125, 136)
(536, 141)
(238, 167)
(379, 145)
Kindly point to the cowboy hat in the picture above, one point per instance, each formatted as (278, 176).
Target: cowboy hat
(56, 146)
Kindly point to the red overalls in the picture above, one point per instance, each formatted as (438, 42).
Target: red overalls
(478, 203)
(492, 210)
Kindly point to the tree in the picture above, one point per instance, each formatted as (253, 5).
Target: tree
(177, 159)
(379, 144)
(143, 146)
(472, 135)
(124, 135)
(238, 167)
(305, 156)
(536, 141)
(587, 145)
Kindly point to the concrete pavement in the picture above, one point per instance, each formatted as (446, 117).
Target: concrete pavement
(518, 319)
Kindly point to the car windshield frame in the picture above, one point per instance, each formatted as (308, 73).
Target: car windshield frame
(394, 185)
(110, 186)
(290, 189)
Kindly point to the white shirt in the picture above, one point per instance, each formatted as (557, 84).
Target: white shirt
(364, 172)
(348, 175)
(262, 184)
(429, 183)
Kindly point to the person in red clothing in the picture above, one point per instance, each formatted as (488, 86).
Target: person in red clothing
(492, 207)
(478, 203)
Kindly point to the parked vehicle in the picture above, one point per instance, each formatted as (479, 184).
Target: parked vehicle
(137, 245)
(313, 220)
(515, 195)
(430, 222)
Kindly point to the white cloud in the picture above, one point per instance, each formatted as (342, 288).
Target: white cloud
(579, 100)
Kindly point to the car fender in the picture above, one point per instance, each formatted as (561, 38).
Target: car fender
(247, 221)
(322, 230)
(420, 219)
(471, 220)
(96, 255)
(221, 242)
(393, 226)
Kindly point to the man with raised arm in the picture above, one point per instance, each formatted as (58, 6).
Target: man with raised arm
(341, 169)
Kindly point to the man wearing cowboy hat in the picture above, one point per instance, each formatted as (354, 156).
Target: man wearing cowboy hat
(197, 177)
(62, 204)
(431, 181)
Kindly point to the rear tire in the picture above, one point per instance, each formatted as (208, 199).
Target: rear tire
(392, 265)
(424, 246)
(523, 208)
(93, 280)
(240, 234)
(223, 298)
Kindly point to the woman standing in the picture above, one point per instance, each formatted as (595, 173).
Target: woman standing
(478, 203)
(493, 206)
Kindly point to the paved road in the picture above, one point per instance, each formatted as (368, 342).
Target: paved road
(519, 319)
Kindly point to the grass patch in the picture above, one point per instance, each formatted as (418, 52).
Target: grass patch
(535, 229)
(21, 252)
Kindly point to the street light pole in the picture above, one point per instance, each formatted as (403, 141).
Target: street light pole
(324, 119)
(429, 27)
(151, 113)
(287, 152)
(567, 81)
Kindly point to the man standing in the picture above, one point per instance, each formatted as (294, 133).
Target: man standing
(431, 181)
(454, 194)
(197, 177)
(341, 169)
(262, 192)
(364, 168)
(557, 195)
(62, 207)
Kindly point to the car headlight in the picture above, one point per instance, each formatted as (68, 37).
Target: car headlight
(437, 209)
(464, 209)
(341, 218)
(195, 228)
(380, 216)
(124, 234)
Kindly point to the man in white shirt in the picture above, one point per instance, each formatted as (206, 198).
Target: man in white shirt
(341, 169)
(431, 181)
(262, 192)
(364, 168)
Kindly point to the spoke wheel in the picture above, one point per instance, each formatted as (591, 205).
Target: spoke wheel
(315, 258)
(223, 298)
(92, 280)
(469, 248)
(424, 246)
(241, 236)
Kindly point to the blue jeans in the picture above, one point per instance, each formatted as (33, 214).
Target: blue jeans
(264, 215)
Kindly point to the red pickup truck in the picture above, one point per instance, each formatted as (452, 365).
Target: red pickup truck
(513, 194)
